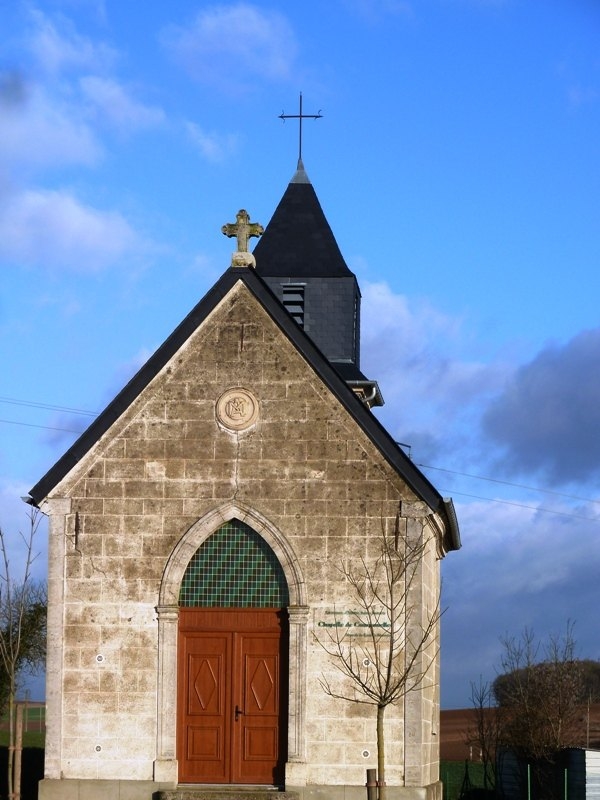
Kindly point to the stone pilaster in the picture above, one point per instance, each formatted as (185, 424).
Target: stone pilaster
(57, 511)
(165, 764)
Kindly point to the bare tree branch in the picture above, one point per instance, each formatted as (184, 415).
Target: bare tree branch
(485, 730)
(541, 690)
(22, 631)
(399, 643)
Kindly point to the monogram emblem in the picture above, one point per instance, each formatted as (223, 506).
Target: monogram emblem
(237, 409)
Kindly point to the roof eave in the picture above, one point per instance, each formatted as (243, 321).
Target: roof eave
(452, 539)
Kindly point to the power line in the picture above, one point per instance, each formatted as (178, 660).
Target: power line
(523, 505)
(509, 483)
(31, 425)
(47, 406)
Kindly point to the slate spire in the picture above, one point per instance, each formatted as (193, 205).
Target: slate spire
(298, 240)
(300, 260)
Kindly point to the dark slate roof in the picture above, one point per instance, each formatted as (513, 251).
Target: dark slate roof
(298, 240)
(371, 426)
(349, 371)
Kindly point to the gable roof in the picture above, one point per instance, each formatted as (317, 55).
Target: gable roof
(361, 414)
(298, 240)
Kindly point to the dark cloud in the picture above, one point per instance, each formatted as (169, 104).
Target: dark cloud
(548, 418)
(517, 569)
(13, 89)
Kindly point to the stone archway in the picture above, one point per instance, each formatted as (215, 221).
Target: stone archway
(165, 765)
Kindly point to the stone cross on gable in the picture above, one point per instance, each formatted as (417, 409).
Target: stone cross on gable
(243, 230)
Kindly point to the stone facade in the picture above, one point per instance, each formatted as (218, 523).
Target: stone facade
(127, 517)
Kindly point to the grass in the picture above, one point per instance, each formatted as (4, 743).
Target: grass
(452, 775)
(30, 739)
(33, 727)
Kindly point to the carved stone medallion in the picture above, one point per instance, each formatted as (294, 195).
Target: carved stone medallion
(237, 409)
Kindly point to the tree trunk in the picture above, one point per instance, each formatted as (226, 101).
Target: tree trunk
(11, 742)
(381, 753)
(18, 751)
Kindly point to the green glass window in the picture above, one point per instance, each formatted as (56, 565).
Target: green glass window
(234, 567)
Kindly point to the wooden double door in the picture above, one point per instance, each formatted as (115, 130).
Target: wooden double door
(232, 695)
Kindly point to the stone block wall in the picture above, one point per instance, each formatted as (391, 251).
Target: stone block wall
(305, 468)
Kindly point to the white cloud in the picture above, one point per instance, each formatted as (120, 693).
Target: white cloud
(48, 120)
(411, 328)
(56, 46)
(50, 123)
(52, 113)
(232, 46)
(112, 103)
(417, 354)
(213, 146)
(53, 229)
(521, 549)
(40, 131)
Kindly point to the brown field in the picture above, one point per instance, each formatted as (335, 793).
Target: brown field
(34, 717)
(455, 725)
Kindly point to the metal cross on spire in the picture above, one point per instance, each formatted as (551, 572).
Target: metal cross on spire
(300, 116)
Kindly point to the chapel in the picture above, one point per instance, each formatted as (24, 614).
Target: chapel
(197, 530)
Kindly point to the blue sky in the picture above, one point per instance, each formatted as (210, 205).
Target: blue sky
(458, 163)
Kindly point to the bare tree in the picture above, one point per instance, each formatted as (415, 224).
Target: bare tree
(533, 708)
(22, 632)
(541, 690)
(485, 730)
(399, 644)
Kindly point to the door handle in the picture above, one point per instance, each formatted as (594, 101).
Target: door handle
(238, 711)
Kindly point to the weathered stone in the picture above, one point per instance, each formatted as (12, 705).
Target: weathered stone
(307, 478)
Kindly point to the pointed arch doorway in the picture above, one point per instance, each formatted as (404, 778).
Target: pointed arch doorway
(232, 648)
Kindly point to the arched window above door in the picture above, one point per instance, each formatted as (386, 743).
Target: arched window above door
(234, 567)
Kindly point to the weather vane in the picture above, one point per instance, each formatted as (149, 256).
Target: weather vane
(300, 117)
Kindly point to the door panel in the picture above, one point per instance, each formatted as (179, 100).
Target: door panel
(258, 749)
(204, 710)
(232, 709)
